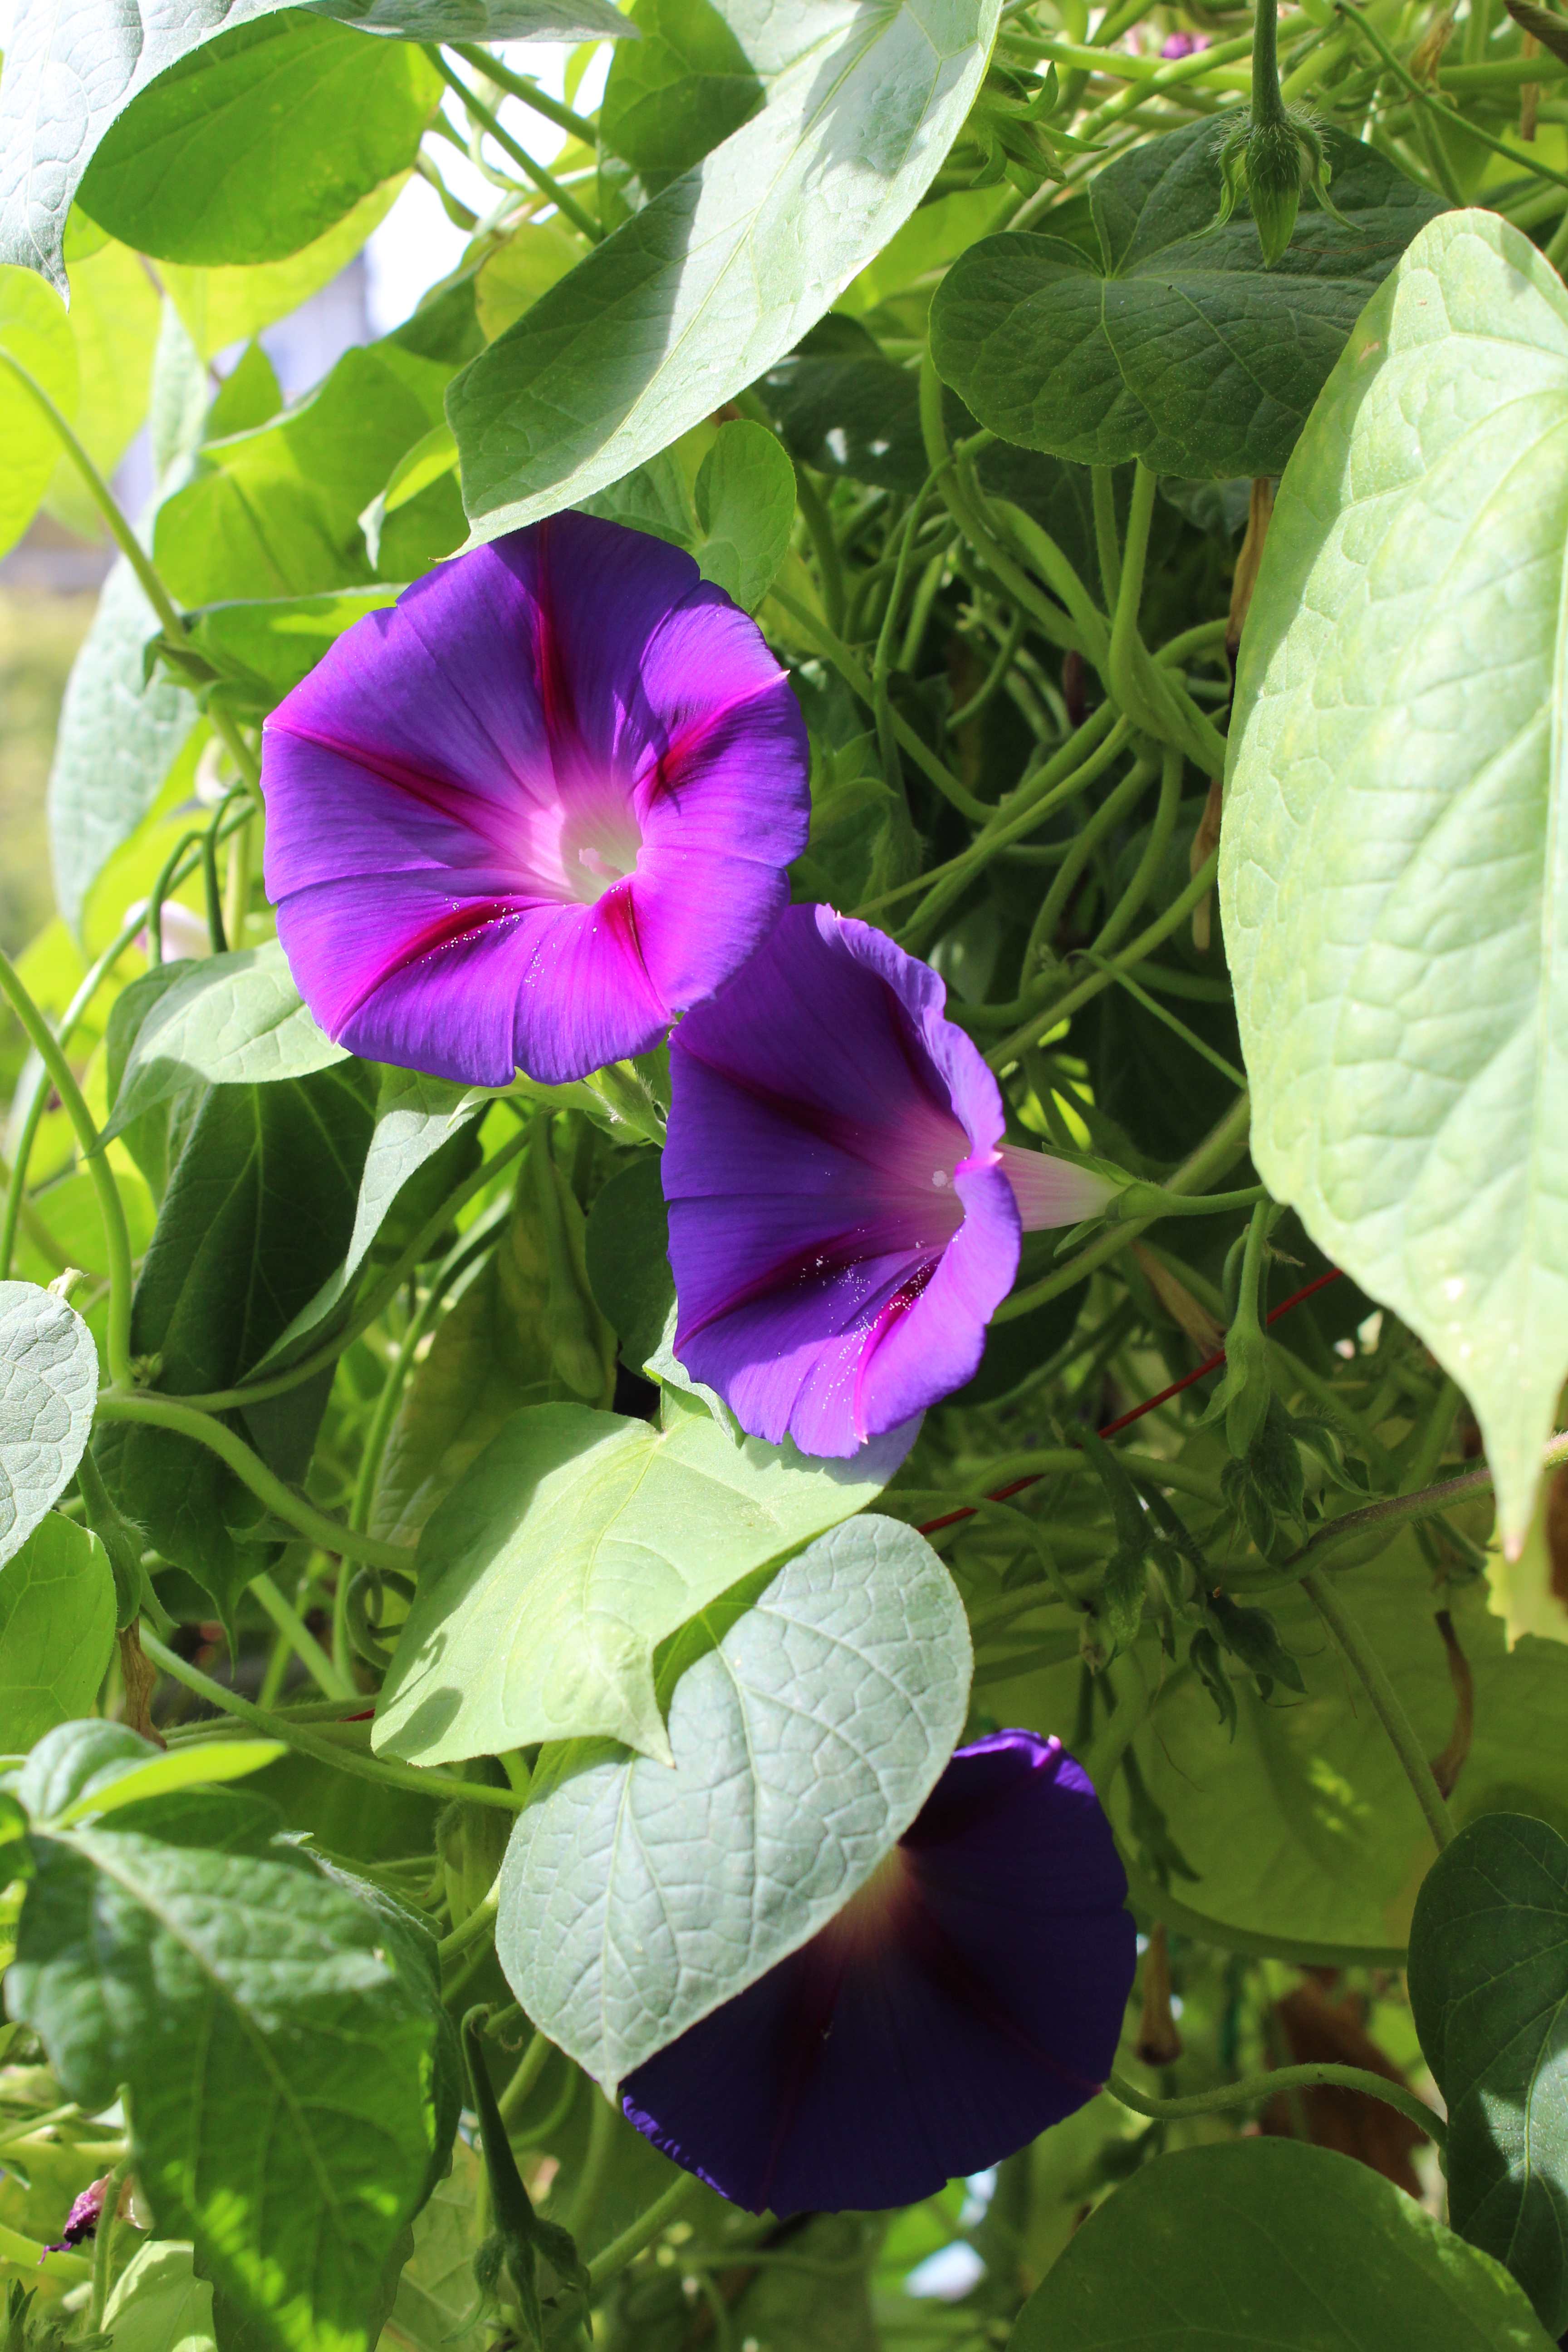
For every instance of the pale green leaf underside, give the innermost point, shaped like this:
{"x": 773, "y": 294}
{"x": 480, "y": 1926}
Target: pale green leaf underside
{"x": 57, "y": 1630}
{"x": 233, "y": 1020}
{"x": 804, "y": 1746}
{"x": 120, "y": 733}
{"x": 693, "y": 296}
{"x": 48, "y": 1386}
{"x": 572, "y": 1546}
{"x": 159, "y": 2304}
{"x": 1393, "y": 873}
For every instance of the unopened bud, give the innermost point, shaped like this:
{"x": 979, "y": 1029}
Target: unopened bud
{"x": 1273, "y": 160}
{"x": 1272, "y": 165}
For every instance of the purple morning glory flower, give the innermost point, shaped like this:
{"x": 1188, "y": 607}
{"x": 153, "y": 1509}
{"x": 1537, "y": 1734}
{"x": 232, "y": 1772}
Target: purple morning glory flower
{"x": 534, "y": 811}
{"x": 969, "y": 1996}
{"x": 844, "y": 1216}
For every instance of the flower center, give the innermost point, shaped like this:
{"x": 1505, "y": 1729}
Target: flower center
{"x": 876, "y": 1911}
{"x": 597, "y": 854}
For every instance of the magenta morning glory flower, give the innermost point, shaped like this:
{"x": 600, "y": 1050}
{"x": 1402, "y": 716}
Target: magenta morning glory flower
{"x": 534, "y": 811}
{"x": 969, "y": 1996}
{"x": 844, "y": 1216}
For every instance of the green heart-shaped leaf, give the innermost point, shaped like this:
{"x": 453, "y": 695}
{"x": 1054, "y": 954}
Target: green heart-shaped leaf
{"x": 1180, "y": 347}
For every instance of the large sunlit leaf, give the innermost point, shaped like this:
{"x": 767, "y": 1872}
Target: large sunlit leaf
{"x": 57, "y": 1630}
{"x": 254, "y": 145}
{"x": 1179, "y": 347}
{"x": 1268, "y": 2241}
{"x": 803, "y": 1745}
{"x": 72, "y": 68}
{"x": 49, "y": 1384}
{"x": 574, "y": 1544}
{"x": 1489, "y": 1984}
{"x": 276, "y": 2035}
{"x": 1395, "y": 867}
{"x": 726, "y": 269}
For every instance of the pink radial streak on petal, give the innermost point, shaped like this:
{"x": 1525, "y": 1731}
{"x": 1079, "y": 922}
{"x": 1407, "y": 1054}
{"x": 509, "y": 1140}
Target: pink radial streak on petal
{"x": 663, "y": 779}
{"x": 448, "y": 930}
{"x": 905, "y": 1296}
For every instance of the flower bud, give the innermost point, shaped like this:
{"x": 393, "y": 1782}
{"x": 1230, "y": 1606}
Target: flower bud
{"x": 1273, "y": 158}
{"x": 1273, "y": 171}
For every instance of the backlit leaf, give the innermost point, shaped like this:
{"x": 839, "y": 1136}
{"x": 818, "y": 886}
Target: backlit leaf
{"x": 35, "y": 333}
{"x": 1394, "y": 872}
{"x": 574, "y": 1544}
{"x": 72, "y": 68}
{"x": 253, "y": 145}
{"x": 722, "y": 272}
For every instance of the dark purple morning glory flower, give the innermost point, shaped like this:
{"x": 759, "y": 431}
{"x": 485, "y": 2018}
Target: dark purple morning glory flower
{"x": 82, "y": 2220}
{"x": 534, "y": 811}
{"x": 844, "y": 1216}
{"x": 969, "y": 1996}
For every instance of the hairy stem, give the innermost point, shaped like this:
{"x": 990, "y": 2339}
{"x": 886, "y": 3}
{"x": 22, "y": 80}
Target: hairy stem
{"x": 153, "y": 1410}
{"x": 110, "y": 1208}
{"x": 293, "y": 1734}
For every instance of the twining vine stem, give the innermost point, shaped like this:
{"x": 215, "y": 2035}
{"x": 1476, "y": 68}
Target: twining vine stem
{"x": 1254, "y": 2090}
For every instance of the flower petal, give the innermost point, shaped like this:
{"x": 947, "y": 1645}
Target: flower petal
{"x": 839, "y": 1230}
{"x": 579, "y": 774}
{"x": 940, "y": 2028}
{"x": 400, "y": 969}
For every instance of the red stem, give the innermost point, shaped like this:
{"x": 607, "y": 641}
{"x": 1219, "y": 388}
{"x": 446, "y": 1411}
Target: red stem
{"x": 1210, "y": 1364}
